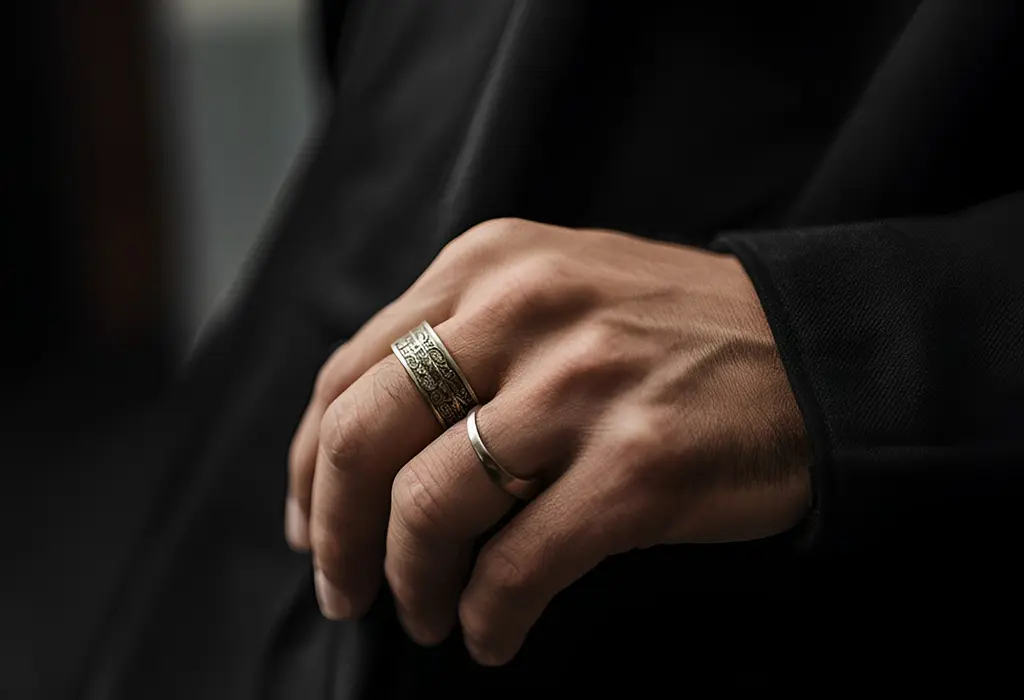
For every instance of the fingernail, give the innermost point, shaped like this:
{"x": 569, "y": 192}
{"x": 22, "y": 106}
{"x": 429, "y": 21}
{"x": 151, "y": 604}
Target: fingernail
{"x": 296, "y": 527}
{"x": 333, "y": 603}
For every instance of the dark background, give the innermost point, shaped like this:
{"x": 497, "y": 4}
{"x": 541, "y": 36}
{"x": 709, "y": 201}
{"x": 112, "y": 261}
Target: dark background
{"x": 147, "y": 144}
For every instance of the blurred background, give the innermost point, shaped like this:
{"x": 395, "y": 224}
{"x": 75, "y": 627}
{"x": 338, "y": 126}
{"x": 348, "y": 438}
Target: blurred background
{"x": 150, "y": 142}
{"x": 156, "y": 138}
{"x": 237, "y": 102}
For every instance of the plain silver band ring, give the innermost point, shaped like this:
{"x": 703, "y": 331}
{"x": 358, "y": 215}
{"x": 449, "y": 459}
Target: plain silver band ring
{"x": 523, "y": 489}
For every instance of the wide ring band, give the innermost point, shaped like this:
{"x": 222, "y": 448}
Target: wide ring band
{"x": 436, "y": 375}
{"x": 523, "y": 489}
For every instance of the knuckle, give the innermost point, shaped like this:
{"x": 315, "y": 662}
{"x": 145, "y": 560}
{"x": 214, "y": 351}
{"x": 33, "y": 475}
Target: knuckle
{"x": 583, "y": 361}
{"x": 533, "y": 279}
{"x": 339, "y": 437}
{"x": 530, "y": 289}
{"x": 636, "y": 433}
{"x": 417, "y": 503}
{"x": 477, "y": 241}
{"x": 489, "y": 232}
{"x": 486, "y": 240}
{"x": 507, "y": 574}
{"x": 350, "y": 418}
{"x": 597, "y": 344}
{"x": 388, "y": 386}
{"x": 595, "y": 359}
{"x": 640, "y": 450}
{"x": 641, "y": 464}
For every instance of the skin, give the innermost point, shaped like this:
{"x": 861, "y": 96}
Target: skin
{"x": 638, "y": 380}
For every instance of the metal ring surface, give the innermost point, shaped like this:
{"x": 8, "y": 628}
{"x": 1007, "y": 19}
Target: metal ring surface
{"x": 523, "y": 489}
{"x": 436, "y": 374}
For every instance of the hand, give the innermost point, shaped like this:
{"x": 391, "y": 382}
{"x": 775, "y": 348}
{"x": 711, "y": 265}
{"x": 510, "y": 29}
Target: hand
{"x": 639, "y": 380}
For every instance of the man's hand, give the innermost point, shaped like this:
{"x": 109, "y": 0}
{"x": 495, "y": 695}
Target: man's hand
{"x": 638, "y": 380}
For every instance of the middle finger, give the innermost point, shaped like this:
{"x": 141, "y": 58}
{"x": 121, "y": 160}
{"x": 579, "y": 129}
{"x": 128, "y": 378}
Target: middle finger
{"x": 367, "y": 435}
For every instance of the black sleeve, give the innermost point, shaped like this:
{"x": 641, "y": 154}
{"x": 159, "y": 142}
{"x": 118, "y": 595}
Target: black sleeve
{"x": 904, "y": 344}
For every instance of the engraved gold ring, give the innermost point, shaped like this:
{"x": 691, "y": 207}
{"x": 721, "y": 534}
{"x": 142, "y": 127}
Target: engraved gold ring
{"x": 451, "y": 398}
{"x": 436, "y": 375}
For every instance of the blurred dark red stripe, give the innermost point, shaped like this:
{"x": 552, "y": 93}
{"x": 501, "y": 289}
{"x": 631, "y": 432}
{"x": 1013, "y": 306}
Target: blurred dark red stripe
{"x": 116, "y": 170}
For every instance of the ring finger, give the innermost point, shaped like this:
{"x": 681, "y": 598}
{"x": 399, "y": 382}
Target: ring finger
{"x": 443, "y": 500}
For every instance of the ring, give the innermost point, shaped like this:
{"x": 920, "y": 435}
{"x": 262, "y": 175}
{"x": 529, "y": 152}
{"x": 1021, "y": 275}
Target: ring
{"x": 436, "y": 375}
{"x": 523, "y": 489}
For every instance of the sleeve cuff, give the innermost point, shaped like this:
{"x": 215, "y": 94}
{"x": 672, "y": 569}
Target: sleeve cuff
{"x": 807, "y": 535}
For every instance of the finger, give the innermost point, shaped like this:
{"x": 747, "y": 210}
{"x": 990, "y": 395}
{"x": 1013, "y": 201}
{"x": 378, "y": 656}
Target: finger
{"x": 367, "y": 435}
{"x": 300, "y": 478}
{"x": 443, "y": 500}
{"x": 564, "y": 533}
{"x": 368, "y": 346}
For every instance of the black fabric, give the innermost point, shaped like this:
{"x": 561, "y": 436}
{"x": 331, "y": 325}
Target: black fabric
{"x": 679, "y": 121}
{"x": 329, "y": 23}
{"x": 912, "y": 385}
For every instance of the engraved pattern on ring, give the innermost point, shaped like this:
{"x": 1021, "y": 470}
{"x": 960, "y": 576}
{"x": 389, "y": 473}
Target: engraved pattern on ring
{"x": 437, "y": 379}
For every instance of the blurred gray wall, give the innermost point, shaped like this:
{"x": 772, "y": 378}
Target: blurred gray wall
{"x": 238, "y": 103}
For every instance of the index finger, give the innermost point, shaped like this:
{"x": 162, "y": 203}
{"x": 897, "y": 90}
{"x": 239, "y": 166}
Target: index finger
{"x": 367, "y": 435}
{"x": 345, "y": 366}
